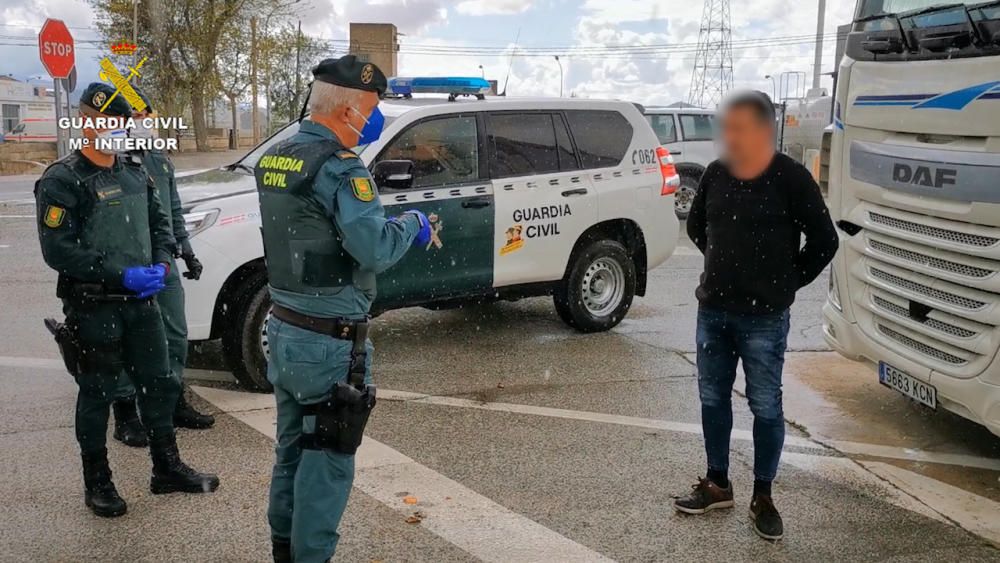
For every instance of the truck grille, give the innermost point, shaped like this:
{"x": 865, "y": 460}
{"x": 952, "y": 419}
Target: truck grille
{"x": 951, "y": 298}
{"x": 919, "y": 259}
{"x": 920, "y": 346}
{"x": 931, "y": 290}
{"x": 932, "y": 232}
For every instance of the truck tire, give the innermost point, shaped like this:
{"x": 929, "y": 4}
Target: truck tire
{"x": 684, "y": 196}
{"x": 597, "y": 291}
{"x": 244, "y": 340}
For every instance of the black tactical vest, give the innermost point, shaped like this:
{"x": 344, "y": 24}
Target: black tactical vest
{"x": 302, "y": 248}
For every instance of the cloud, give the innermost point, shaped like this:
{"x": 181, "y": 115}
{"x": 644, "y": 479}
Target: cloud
{"x": 492, "y": 7}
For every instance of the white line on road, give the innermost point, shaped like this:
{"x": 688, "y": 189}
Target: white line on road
{"x": 17, "y": 216}
{"x": 452, "y": 511}
{"x": 974, "y": 513}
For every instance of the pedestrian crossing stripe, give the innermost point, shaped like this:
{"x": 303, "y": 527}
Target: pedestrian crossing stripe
{"x": 363, "y": 189}
{"x": 54, "y": 216}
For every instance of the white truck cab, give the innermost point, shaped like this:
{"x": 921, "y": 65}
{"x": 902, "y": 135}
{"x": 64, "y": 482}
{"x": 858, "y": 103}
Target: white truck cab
{"x": 527, "y": 197}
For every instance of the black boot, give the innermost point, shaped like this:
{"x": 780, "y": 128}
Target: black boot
{"x": 281, "y": 550}
{"x": 171, "y": 475}
{"x": 100, "y": 494}
{"x": 128, "y": 429}
{"x": 186, "y": 417}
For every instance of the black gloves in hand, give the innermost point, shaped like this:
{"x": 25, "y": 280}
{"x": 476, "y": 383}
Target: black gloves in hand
{"x": 194, "y": 266}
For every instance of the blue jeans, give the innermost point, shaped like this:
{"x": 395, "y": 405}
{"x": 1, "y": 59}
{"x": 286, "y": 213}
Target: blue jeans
{"x": 759, "y": 341}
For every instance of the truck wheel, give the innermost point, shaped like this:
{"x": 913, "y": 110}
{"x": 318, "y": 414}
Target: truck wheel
{"x": 244, "y": 337}
{"x": 684, "y": 197}
{"x": 597, "y": 291}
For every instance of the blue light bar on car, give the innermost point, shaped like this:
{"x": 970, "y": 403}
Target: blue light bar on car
{"x": 455, "y": 85}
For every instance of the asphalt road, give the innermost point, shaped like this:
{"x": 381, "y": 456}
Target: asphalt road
{"x": 517, "y": 439}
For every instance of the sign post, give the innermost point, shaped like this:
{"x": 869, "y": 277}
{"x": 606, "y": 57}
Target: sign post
{"x": 58, "y": 55}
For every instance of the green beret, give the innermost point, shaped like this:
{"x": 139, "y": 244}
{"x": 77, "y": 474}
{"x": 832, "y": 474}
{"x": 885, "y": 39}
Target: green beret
{"x": 349, "y": 72}
{"x": 98, "y": 93}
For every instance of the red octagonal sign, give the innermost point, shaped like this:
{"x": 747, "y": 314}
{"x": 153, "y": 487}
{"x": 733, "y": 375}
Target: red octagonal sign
{"x": 56, "y": 49}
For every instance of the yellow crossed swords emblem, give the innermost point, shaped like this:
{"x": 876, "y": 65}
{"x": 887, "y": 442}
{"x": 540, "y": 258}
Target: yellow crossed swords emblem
{"x": 110, "y": 73}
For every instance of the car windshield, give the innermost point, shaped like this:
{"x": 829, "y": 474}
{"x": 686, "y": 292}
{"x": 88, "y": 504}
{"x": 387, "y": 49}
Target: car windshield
{"x": 248, "y": 162}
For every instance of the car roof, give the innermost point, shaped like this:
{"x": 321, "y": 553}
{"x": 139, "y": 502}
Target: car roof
{"x": 396, "y": 107}
{"x": 668, "y": 109}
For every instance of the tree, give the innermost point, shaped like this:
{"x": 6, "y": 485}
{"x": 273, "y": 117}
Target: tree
{"x": 233, "y": 69}
{"x": 289, "y": 59}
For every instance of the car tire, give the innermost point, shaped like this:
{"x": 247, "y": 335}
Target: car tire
{"x": 599, "y": 286}
{"x": 244, "y": 337}
{"x": 684, "y": 196}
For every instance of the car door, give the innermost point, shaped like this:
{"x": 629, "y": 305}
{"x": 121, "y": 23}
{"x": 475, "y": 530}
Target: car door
{"x": 665, "y": 127}
{"x": 698, "y": 131}
{"x": 450, "y": 186}
{"x": 544, "y": 200}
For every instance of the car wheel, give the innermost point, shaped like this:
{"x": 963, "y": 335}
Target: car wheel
{"x": 684, "y": 197}
{"x": 598, "y": 289}
{"x": 244, "y": 338}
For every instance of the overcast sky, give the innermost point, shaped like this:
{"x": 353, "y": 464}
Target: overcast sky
{"x": 495, "y": 23}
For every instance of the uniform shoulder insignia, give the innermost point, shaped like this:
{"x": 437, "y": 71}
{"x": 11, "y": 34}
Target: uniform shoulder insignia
{"x": 363, "y": 189}
{"x": 54, "y": 216}
{"x": 345, "y": 154}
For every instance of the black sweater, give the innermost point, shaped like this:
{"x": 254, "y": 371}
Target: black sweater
{"x": 750, "y": 233}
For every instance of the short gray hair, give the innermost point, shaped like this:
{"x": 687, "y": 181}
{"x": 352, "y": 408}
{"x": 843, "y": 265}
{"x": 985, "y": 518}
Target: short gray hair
{"x": 326, "y": 97}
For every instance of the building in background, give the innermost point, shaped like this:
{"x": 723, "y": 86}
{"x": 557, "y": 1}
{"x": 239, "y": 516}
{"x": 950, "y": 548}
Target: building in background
{"x": 23, "y": 100}
{"x": 376, "y": 43}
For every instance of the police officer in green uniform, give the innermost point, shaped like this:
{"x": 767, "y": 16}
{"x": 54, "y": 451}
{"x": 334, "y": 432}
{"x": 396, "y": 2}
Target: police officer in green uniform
{"x": 103, "y": 229}
{"x": 325, "y": 238}
{"x": 128, "y": 429}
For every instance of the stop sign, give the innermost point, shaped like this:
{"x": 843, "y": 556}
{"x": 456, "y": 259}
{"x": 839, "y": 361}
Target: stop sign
{"x": 55, "y": 48}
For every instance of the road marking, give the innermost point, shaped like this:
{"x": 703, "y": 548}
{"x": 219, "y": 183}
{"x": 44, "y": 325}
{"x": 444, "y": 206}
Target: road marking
{"x": 17, "y": 216}
{"x": 32, "y": 363}
{"x": 452, "y": 511}
{"x": 686, "y": 251}
{"x": 908, "y": 454}
{"x": 978, "y": 515}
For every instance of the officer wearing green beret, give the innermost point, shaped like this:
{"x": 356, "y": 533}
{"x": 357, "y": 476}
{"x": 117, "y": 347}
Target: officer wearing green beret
{"x": 325, "y": 238}
{"x": 103, "y": 229}
{"x": 128, "y": 429}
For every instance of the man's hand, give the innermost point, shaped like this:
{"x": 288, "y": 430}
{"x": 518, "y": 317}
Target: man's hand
{"x": 194, "y": 267}
{"x": 424, "y": 234}
{"x": 145, "y": 281}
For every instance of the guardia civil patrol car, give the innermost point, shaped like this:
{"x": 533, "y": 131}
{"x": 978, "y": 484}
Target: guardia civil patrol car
{"x": 527, "y": 197}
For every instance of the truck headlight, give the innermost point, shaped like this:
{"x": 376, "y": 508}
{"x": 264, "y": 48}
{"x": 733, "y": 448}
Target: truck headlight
{"x": 197, "y": 221}
{"x": 834, "y": 294}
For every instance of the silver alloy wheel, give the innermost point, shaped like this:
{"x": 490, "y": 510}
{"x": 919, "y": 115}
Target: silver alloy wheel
{"x": 264, "y": 346}
{"x": 684, "y": 198}
{"x": 603, "y": 286}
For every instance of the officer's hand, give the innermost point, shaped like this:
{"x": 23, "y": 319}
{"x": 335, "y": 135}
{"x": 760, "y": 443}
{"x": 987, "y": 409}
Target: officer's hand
{"x": 152, "y": 290}
{"x": 141, "y": 278}
{"x": 194, "y": 266}
{"x": 424, "y": 234}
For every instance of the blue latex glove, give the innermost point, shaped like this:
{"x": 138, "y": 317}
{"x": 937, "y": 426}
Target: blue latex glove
{"x": 143, "y": 279}
{"x": 424, "y": 234}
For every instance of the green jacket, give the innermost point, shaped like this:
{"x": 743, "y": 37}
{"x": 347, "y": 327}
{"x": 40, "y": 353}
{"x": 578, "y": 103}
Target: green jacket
{"x": 158, "y": 164}
{"x": 94, "y": 222}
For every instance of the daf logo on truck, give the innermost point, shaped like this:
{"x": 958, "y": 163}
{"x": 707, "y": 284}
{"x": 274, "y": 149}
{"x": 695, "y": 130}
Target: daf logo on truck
{"x": 924, "y": 175}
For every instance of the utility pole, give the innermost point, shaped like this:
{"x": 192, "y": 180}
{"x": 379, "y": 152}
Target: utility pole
{"x": 254, "y": 118}
{"x": 818, "y": 59}
{"x": 713, "y": 63}
{"x": 298, "y": 62}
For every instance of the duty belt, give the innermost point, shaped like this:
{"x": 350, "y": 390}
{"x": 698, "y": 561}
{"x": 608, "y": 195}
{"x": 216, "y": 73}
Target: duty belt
{"x": 99, "y": 292}
{"x": 343, "y": 329}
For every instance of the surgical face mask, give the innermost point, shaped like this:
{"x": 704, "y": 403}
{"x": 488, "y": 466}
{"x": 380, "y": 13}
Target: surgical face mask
{"x": 140, "y": 131}
{"x": 373, "y": 126}
{"x": 114, "y": 139}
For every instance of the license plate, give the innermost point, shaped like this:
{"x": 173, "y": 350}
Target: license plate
{"x": 908, "y": 385}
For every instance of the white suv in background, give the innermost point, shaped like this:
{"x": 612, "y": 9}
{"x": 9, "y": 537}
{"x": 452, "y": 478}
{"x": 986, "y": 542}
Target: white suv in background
{"x": 527, "y": 197}
{"x": 689, "y": 135}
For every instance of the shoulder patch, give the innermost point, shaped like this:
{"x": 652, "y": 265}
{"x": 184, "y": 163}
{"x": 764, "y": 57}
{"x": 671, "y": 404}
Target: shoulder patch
{"x": 345, "y": 154}
{"x": 363, "y": 189}
{"x": 54, "y": 216}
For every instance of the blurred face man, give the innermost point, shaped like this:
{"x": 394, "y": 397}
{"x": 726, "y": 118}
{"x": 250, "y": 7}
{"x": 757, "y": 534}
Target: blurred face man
{"x": 345, "y": 111}
{"x": 747, "y": 120}
{"x": 103, "y": 157}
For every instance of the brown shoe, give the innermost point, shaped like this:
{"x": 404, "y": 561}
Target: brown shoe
{"x": 765, "y": 518}
{"x": 705, "y": 496}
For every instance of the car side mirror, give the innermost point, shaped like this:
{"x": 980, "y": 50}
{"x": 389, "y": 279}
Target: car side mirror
{"x": 393, "y": 174}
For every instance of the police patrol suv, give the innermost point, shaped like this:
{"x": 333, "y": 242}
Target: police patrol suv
{"x": 527, "y": 197}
